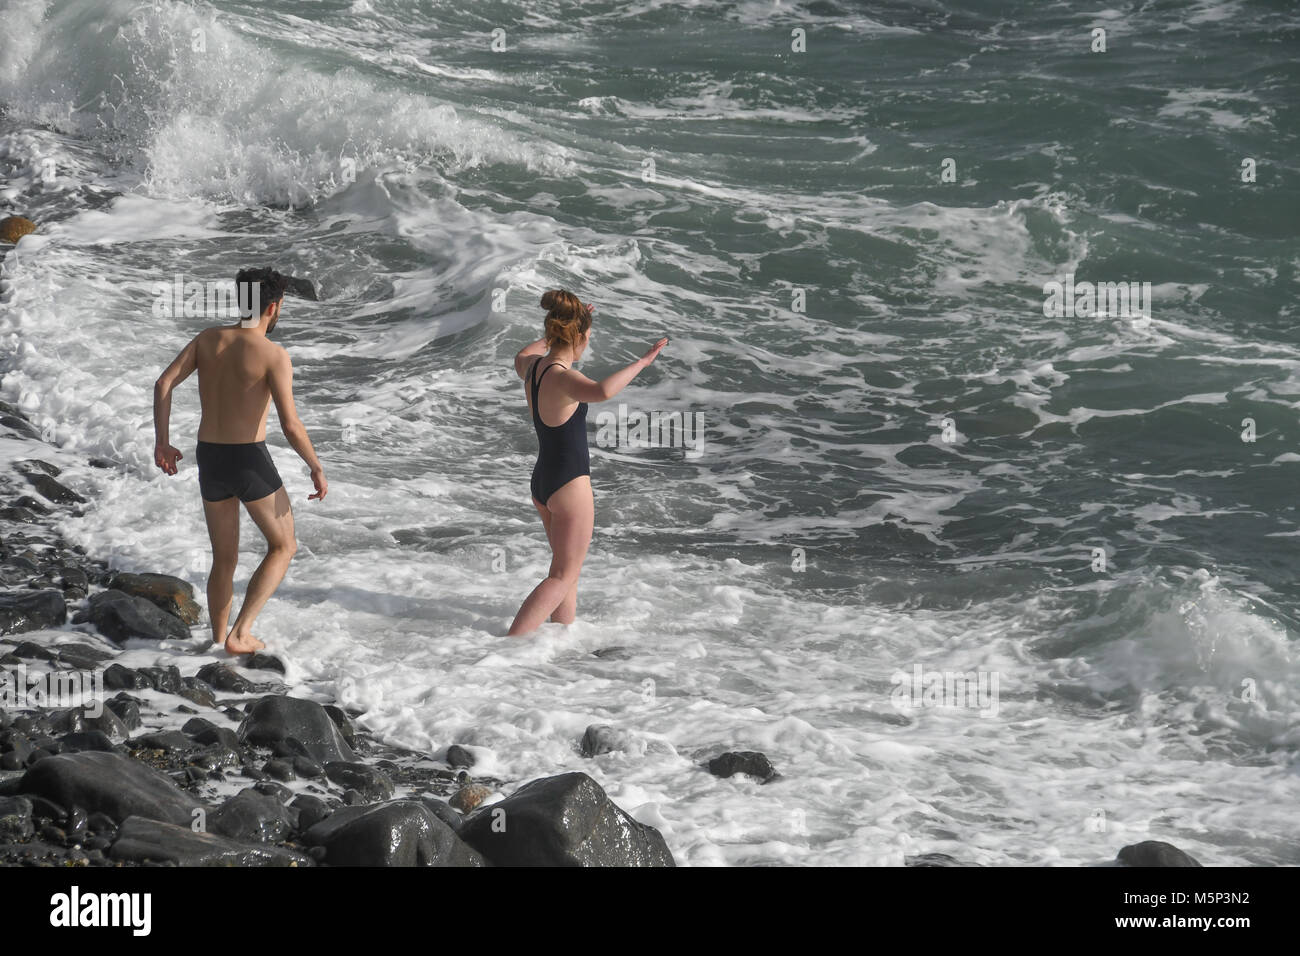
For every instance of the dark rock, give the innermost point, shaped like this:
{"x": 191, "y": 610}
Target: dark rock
{"x": 48, "y": 488}
{"x": 120, "y": 616}
{"x": 370, "y": 783}
{"x": 15, "y": 819}
{"x": 1154, "y": 853}
{"x": 73, "y": 582}
{"x": 127, "y": 711}
{"x": 83, "y": 657}
{"x": 251, "y": 817}
{"x": 77, "y": 825}
{"x": 95, "y": 740}
{"x": 602, "y": 739}
{"x": 297, "y": 286}
{"x": 165, "y": 680}
{"x": 934, "y": 859}
{"x": 749, "y": 762}
{"x": 306, "y": 767}
{"x": 52, "y": 834}
{"x": 221, "y": 677}
{"x": 110, "y": 783}
{"x": 344, "y": 723}
{"x": 443, "y": 811}
{"x": 173, "y": 595}
{"x": 22, "y": 611}
{"x": 280, "y": 769}
{"x": 197, "y": 692}
{"x": 44, "y": 808}
{"x": 117, "y": 677}
{"x": 33, "y": 725}
{"x": 272, "y": 789}
{"x": 275, "y": 719}
{"x": 34, "y": 466}
{"x": 171, "y": 741}
{"x": 101, "y": 823}
{"x": 206, "y": 732}
{"x": 458, "y": 756}
{"x": 216, "y": 757}
{"x": 613, "y": 653}
{"x": 563, "y": 821}
{"x": 33, "y": 652}
{"x": 400, "y": 833}
{"x": 142, "y": 839}
{"x": 264, "y": 662}
{"x": 40, "y": 753}
{"x": 311, "y": 810}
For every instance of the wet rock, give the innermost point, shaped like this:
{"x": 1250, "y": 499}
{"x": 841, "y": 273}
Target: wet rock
{"x": 311, "y": 810}
{"x": 272, "y": 789}
{"x": 83, "y": 657}
{"x": 1154, "y": 853}
{"x": 372, "y": 784}
{"x": 443, "y": 811}
{"x": 31, "y": 651}
{"x": 169, "y": 741}
{"x": 216, "y": 757}
{"x": 142, "y": 839}
{"x": 308, "y": 768}
{"x": 22, "y": 611}
{"x": 281, "y": 769}
{"x": 344, "y": 723}
{"x": 127, "y": 711}
{"x": 120, "y": 616}
{"x": 469, "y": 796}
{"x": 400, "y": 833}
{"x": 458, "y": 756}
{"x": 94, "y": 740}
{"x": 203, "y": 731}
{"x": 934, "y": 859}
{"x": 117, "y": 677}
{"x": 13, "y": 228}
{"x": 300, "y": 287}
{"x": 602, "y": 739}
{"x": 264, "y": 662}
{"x": 749, "y": 762}
{"x": 274, "y": 719}
{"x": 15, "y": 819}
{"x": 73, "y": 582}
{"x": 563, "y": 821}
{"x": 112, "y": 784}
{"x": 165, "y": 680}
{"x": 251, "y": 817}
{"x": 170, "y": 594}
{"x": 198, "y": 692}
{"x": 222, "y": 677}
{"x": 53, "y": 490}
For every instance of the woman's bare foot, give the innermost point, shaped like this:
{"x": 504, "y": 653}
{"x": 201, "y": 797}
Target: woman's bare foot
{"x": 243, "y": 643}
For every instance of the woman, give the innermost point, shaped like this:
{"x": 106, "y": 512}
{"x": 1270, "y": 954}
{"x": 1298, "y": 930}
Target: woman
{"x": 561, "y": 484}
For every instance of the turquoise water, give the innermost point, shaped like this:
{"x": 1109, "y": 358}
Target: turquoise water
{"x": 906, "y": 461}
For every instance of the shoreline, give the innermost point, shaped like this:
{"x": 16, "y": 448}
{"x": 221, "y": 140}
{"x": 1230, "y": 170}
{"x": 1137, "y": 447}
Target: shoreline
{"x": 218, "y": 763}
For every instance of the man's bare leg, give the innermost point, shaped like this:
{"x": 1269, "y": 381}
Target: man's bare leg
{"x": 274, "y": 518}
{"x": 223, "y": 531}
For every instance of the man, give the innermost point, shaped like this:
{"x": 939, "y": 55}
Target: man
{"x": 240, "y": 373}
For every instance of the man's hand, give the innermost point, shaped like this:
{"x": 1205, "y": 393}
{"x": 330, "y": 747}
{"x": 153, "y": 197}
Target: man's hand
{"x": 322, "y": 486}
{"x": 165, "y": 457}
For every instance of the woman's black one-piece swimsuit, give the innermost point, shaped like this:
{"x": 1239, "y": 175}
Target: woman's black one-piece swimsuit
{"x": 562, "y": 453}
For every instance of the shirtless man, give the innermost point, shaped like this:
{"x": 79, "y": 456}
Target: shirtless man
{"x": 240, "y": 372}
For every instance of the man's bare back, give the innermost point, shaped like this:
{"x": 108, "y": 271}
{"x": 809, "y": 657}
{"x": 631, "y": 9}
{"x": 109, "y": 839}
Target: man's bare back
{"x": 235, "y": 383}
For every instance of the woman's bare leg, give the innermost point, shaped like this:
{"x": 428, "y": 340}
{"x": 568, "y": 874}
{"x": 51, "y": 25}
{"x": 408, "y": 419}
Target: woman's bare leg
{"x": 568, "y": 609}
{"x": 573, "y": 517}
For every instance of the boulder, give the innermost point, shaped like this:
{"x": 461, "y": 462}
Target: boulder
{"x": 112, "y": 784}
{"x": 276, "y": 719}
{"x": 15, "y": 819}
{"x": 252, "y": 817}
{"x": 1154, "y": 853}
{"x": 53, "y": 490}
{"x": 749, "y": 762}
{"x": 563, "y": 821}
{"x": 13, "y": 228}
{"x": 399, "y": 833}
{"x": 22, "y": 611}
{"x": 602, "y": 739}
{"x": 142, "y": 839}
{"x": 173, "y": 595}
{"x": 223, "y": 677}
{"x": 372, "y": 784}
{"x": 120, "y": 616}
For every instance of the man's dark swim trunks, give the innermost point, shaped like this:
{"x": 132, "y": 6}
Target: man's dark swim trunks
{"x": 245, "y": 470}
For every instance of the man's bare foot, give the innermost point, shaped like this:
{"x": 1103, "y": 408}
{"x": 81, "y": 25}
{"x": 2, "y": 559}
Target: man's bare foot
{"x": 243, "y": 644}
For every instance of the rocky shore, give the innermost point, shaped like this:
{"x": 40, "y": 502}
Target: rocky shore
{"x": 224, "y": 766}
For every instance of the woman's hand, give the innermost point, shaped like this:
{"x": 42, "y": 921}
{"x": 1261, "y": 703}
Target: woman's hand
{"x": 654, "y": 352}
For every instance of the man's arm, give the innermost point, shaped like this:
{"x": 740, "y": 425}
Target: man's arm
{"x": 281, "y": 381}
{"x": 164, "y": 455}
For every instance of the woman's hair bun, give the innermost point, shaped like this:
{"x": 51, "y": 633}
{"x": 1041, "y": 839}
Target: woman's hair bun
{"x": 567, "y": 319}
